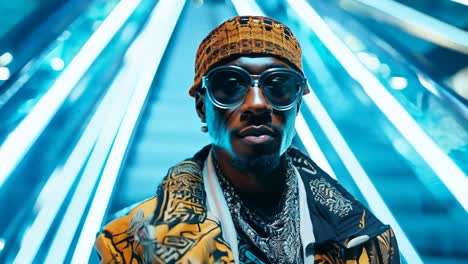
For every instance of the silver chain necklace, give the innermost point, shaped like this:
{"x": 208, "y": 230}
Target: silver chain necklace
{"x": 281, "y": 243}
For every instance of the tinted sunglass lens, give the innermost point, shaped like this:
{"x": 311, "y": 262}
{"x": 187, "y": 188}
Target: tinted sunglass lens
{"x": 228, "y": 86}
{"x": 281, "y": 88}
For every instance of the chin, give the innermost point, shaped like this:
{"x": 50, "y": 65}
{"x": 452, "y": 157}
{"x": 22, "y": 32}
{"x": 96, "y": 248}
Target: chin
{"x": 246, "y": 150}
{"x": 260, "y": 164}
{"x": 257, "y": 158}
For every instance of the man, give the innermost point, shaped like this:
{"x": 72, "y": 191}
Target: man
{"x": 249, "y": 197}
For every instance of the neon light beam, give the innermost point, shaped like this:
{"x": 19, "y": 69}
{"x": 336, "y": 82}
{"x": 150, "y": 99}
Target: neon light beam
{"x": 448, "y": 172}
{"x": 23, "y": 137}
{"x": 166, "y": 14}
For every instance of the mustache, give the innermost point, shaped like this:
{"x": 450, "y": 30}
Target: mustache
{"x": 256, "y": 118}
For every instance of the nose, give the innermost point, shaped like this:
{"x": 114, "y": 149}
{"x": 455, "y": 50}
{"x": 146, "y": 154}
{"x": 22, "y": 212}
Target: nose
{"x": 255, "y": 101}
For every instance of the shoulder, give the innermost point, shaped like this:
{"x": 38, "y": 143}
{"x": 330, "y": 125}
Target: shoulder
{"x": 342, "y": 224}
{"x": 334, "y": 210}
{"x": 116, "y": 241}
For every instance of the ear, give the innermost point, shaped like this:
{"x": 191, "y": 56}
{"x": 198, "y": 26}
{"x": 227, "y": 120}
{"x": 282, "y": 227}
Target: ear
{"x": 200, "y": 106}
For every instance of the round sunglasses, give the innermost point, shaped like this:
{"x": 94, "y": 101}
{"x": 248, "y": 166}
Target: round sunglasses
{"x": 227, "y": 86}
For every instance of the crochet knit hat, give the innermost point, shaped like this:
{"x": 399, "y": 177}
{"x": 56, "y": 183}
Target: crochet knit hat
{"x": 246, "y": 35}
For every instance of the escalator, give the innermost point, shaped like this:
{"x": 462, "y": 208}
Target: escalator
{"x": 48, "y": 130}
{"x": 370, "y": 121}
{"x": 415, "y": 191}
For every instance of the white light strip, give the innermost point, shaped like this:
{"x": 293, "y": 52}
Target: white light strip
{"x": 360, "y": 177}
{"x": 312, "y": 146}
{"x": 463, "y": 2}
{"x": 247, "y": 7}
{"x": 157, "y": 37}
{"x": 23, "y": 137}
{"x": 57, "y": 187}
{"x": 72, "y": 217}
{"x": 419, "y": 24}
{"x": 449, "y": 173}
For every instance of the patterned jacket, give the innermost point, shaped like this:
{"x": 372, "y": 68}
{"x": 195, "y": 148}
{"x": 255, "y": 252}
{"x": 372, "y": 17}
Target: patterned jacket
{"x": 176, "y": 227}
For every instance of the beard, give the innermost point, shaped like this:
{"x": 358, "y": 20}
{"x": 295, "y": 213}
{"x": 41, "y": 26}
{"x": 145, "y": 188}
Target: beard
{"x": 261, "y": 165}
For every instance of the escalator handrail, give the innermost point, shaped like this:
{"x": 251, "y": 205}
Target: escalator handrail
{"x": 137, "y": 56}
{"x": 87, "y": 156}
{"x": 21, "y": 139}
{"x": 411, "y": 21}
{"x": 446, "y": 169}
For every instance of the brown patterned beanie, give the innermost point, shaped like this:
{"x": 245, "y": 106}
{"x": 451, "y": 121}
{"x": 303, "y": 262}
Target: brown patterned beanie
{"x": 246, "y": 35}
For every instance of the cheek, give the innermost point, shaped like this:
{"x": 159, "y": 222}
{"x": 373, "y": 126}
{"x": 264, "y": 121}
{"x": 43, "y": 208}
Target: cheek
{"x": 216, "y": 122}
{"x": 289, "y": 130}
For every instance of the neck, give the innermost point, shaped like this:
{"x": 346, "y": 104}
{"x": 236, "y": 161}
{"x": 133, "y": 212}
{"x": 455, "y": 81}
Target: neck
{"x": 262, "y": 189}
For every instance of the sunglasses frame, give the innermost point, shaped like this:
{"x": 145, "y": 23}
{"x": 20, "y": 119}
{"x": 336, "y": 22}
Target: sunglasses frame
{"x": 253, "y": 82}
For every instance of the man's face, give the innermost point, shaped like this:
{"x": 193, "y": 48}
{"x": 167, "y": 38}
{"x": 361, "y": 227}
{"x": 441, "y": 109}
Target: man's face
{"x": 253, "y": 134}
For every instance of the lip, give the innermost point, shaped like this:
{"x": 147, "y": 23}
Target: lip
{"x": 257, "y": 134}
{"x": 256, "y": 131}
